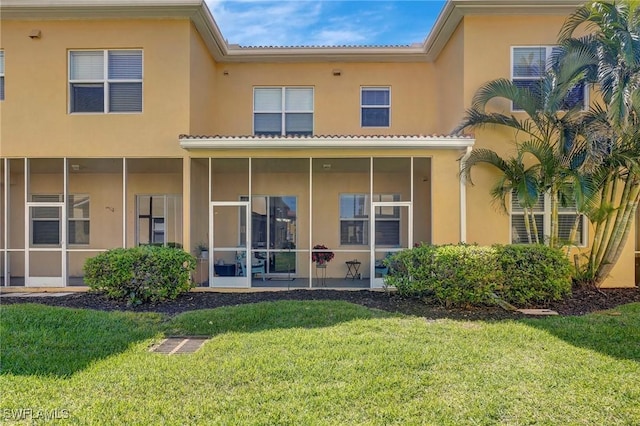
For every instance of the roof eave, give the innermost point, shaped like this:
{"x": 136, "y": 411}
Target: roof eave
{"x": 198, "y": 12}
{"x": 455, "y": 10}
{"x": 350, "y": 142}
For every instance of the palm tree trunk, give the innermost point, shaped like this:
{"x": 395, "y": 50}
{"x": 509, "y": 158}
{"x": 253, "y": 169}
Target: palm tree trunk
{"x": 621, "y": 230}
{"x": 608, "y": 223}
{"x": 527, "y": 224}
{"x": 553, "y": 241}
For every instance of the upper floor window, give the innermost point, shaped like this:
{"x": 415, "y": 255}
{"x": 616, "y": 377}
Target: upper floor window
{"x": 375, "y": 104}
{"x": 105, "y": 81}
{"x": 283, "y": 111}
{"x": 1, "y": 75}
{"x": 528, "y": 67}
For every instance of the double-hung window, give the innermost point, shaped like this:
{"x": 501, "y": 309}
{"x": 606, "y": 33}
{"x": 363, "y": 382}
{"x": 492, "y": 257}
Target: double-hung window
{"x": 279, "y": 111}
{"x": 528, "y": 68}
{"x": 355, "y": 217}
{"x": 1, "y": 75}
{"x": 375, "y": 106}
{"x": 105, "y": 81}
{"x": 46, "y": 221}
{"x": 541, "y": 215}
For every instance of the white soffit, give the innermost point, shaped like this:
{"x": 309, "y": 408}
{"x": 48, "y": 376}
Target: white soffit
{"x": 326, "y": 142}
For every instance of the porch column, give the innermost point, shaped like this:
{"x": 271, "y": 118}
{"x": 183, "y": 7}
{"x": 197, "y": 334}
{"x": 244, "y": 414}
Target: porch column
{"x": 186, "y": 203}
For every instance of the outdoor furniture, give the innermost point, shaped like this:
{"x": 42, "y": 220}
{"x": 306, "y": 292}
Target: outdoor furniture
{"x": 380, "y": 268}
{"x": 225, "y": 270}
{"x": 353, "y": 269}
{"x": 258, "y": 266}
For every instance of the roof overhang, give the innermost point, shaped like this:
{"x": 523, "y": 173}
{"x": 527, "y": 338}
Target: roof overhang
{"x": 454, "y": 10}
{"x": 198, "y": 12}
{"x": 325, "y": 142}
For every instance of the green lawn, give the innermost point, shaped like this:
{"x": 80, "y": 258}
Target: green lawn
{"x": 320, "y": 363}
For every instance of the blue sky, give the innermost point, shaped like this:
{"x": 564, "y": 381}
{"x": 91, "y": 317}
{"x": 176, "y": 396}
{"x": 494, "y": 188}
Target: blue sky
{"x": 326, "y": 22}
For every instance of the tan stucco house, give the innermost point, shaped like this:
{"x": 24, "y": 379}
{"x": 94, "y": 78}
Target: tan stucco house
{"x": 127, "y": 122}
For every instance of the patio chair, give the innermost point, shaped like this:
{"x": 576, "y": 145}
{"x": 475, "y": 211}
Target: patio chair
{"x": 380, "y": 268}
{"x": 258, "y": 266}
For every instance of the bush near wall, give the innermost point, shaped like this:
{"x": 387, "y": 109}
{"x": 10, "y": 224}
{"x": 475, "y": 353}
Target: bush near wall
{"x": 140, "y": 274}
{"x": 458, "y": 275}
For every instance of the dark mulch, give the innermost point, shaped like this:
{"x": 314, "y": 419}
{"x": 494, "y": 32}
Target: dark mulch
{"x": 581, "y": 302}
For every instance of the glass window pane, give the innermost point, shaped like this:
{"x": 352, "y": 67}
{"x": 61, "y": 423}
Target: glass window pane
{"x": 375, "y": 117}
{"x": 529, "y": 61}
{"x": 87, "y": 97}
{"x": 519, "y": 229}
{"x": 125, "y": 64}
{"x": 87, "y": 65}
{"x": 1, "y": 88}
{"x": 375, "y": 97}
{"x": 354, "y": 232}
{"x": 125, "y": 97}
{"x": 565, "y": 224}
{"x": 299, "y": 99}
{"x": 387, "y": 232}
{"x": 267, "y": 124}
{"x": 299, "y": 124}
{"x": 78, "y": 232}
{"x": 78, "y": 207}
{"x": 46, "y": 232}
{"x": 267, "y": 100}
{"x": 1, "y": 62}
{"x": 354, "y": 206}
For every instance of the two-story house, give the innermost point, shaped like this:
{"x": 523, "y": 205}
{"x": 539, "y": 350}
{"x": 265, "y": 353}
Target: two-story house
{"x": 135, "y": 122}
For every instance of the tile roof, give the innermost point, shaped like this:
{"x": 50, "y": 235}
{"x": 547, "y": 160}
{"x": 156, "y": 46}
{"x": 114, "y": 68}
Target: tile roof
{"x": 323, "y": 137}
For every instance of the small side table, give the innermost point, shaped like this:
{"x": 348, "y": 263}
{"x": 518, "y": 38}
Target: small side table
{"x": 353, "y": 269}
{"x": 321, "y": 274}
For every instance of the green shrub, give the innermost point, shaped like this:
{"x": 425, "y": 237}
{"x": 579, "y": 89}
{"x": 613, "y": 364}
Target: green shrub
{"x": 140, "y": 274}
{"x": 533, "y": 273}
{"x": 454, "y": 275}
{"x": 458, "y": 275}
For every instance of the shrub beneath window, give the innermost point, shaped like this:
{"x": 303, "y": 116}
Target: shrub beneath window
{"x": 533, "y": 273}
{"x": 140, "y": 274}
{"x": 459, "y": 275}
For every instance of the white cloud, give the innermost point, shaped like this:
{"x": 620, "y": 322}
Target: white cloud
{"x": 321, "y": 22}
{"x": 265, "y": 23}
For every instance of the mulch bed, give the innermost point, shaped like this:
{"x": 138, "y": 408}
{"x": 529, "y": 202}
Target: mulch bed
{"x": 581, "y": 302}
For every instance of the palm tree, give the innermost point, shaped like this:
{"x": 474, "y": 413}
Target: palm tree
{"x": 614, "y": 129}
{"x": 515, "y": 179}
{"x": 550, "y": 138}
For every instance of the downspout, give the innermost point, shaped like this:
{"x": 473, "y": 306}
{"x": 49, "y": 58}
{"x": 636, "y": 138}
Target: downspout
{"x": 463, "y": 196}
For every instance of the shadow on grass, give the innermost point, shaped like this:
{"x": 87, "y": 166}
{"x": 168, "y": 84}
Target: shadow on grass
{"x": 269, "y": 315}
{"x": 615, "y": 332}
{"x": 51, "y": 341}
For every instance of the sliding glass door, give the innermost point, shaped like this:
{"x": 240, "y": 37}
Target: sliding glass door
{"x": 274, "y": 232}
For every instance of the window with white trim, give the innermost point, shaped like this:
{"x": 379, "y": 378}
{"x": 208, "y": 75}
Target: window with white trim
{"x": 541, "y": 214}
{"x": 375, "y": 106}
{"x": 1, "y": 75}
{"x": 279, "y": 111}
{"x": 105, "y": 81}
{"x": 355, "y": 217}
{"x": 528, "y": 67}
{"x": 46, "y": 225}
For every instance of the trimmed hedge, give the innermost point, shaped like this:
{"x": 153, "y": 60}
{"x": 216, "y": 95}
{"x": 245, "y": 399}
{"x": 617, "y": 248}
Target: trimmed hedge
{"x": 458, "y": 275}
{"x": 140, "y": 274}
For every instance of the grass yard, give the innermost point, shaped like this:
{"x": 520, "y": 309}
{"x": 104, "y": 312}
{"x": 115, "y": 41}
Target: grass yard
{"x": 319, "y": 363}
